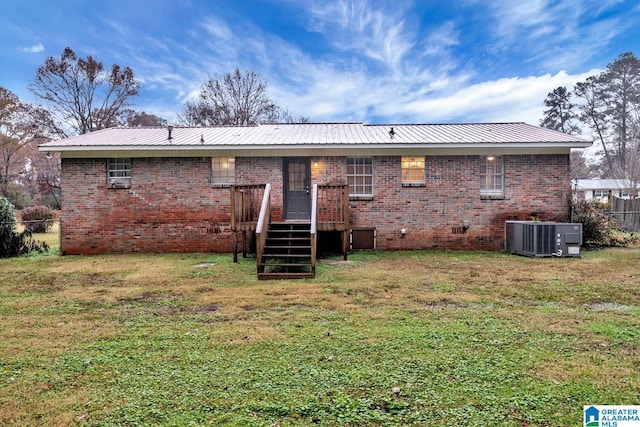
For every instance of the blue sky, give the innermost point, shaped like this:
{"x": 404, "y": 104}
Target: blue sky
{"x": 396, "y": 61}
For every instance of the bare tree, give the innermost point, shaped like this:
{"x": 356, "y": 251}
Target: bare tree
{"x": 40, "y": 174}
{"x": 236, "y": 98}
{"x": 593, "y": 112}
{"x": 286, "y": 117}
{"x": 16, "y": 131}
{"x": 621, "y": 94}
{"x": 578, "y": 165}
{"x": 132, "y": 118}
{"x": 609, "y": 102}
{"x": 80, "y": 94}
{"x": 630, "y": 171}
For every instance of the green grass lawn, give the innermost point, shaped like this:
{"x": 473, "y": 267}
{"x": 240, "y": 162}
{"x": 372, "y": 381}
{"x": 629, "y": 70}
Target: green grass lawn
{"x": 468, "y": 339}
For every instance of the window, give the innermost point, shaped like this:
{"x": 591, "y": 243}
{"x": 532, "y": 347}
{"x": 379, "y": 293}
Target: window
{"x": 360, "y": 176}
{"x": 297, "y": 180}
{"x": 491, "y": 175}
{"x": 223, "y": 170}
{"x": 413, "y": 171}
{"x": 599, "y": 194}
{"x": 119, "y": 173}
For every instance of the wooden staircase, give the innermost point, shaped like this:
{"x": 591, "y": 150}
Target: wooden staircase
{"x": 287, "y": 252}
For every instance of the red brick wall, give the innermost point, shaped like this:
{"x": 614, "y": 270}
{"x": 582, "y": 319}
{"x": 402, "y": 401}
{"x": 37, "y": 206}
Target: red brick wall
{"x": 172, "y": 207}
{"x": 535, "y": 186}
{"x": 263, "y": 170}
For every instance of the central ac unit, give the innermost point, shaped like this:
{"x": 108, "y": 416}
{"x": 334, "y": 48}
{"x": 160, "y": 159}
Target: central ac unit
{"x": 543, "y": 239}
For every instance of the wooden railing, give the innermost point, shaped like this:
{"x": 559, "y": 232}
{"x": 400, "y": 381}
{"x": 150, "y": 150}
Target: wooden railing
{"x": 333, "y": 207}
{"x": 262, "y": 226}
{"x": 245, "y": 206}
{"x": 251, "y": 211}
{"x": 245, "y": 203}
{"x": 333, "y": 211}
{"x": 314, "y": 226}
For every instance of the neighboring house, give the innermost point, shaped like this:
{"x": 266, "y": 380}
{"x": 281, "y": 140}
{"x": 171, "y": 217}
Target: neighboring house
{"x": 409, "y": 186}
{"x": 600, "y": 189}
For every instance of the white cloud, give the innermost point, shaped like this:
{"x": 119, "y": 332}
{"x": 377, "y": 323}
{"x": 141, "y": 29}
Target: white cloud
{"x": 412, "y": 78}
{"x": 441, "y": 39}
{"x": 365, "y": 28}
{"x": 506, "y": 99}
{"x": 36, "y": 48}
{"x": 217, "y": 28}
{"x": 326, "y": 89}
{"x": 334, "y": 95}
{"x": 554, "y": 34}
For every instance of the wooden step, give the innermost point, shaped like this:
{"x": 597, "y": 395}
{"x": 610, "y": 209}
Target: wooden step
{"x": 280, "y": 238}
{"x": 287, "y": 263}
{"x": 287, "y": 252}
{"x": 284, "y": 276}
{"x": 284, "y": 252}
{"x": 287, "y": 247}
{"x": 285, "y": 257}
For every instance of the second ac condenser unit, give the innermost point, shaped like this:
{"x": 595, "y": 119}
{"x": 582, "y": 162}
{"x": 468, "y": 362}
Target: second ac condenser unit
{"x": 543, "y": 239}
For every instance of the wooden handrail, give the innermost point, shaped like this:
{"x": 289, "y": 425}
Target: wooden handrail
{"x": 333, "y": 211}
{"x": 244, "y": 202}
{"x": 251, "y": 212}
{"x": 232, "y": 204}
{"x": 347, "y": 221}
{"x": 262, "y": 227}
{"x": 333, "y": 207}
{"x": 314, "y": 226}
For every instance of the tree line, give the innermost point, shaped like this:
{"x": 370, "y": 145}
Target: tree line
{"x": 79, "y": 95}
{"x": 608, "y": 106}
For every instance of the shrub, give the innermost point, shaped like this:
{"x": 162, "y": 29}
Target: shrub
{"x": 598, "y": 227}
{"x": 8, "y": 235}
{"x": 17, "y": 196}
{"x": 7, "y": 217}
{"x": 13, "y": 243}
{"x": 38, "y": 219}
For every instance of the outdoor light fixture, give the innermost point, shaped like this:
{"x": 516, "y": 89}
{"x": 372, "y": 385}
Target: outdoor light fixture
{"x": 491, "y": 158}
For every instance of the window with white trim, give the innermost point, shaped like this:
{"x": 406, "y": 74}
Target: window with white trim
{"x": 223, "y": 170}
{"x": 491, "y": 175}
{"x": 360, "y": 176}
{"x": 119, "y": 173}
{"x": 413, "y": 172}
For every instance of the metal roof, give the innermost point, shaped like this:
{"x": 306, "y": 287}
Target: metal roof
{"x": 324, "y": 135}
{"x": 601, "y": 184}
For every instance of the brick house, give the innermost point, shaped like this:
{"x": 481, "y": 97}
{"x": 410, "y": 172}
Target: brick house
{"x": 409, "y": 186}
